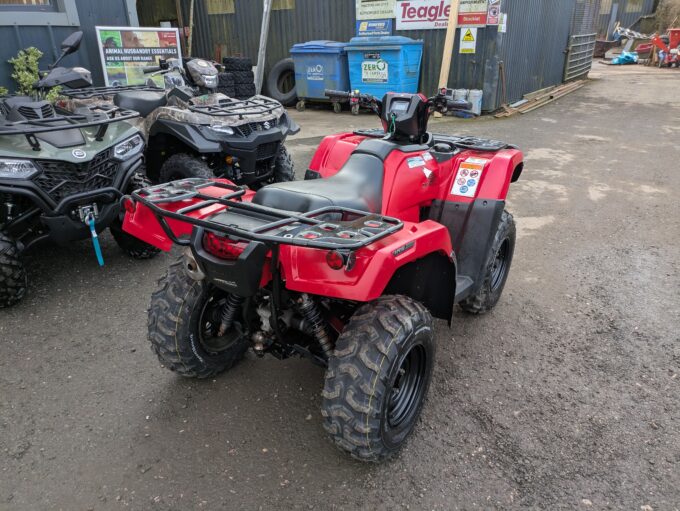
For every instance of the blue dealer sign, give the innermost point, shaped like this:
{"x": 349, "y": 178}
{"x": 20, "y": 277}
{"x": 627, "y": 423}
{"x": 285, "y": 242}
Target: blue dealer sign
{"x": 374, "y": 28}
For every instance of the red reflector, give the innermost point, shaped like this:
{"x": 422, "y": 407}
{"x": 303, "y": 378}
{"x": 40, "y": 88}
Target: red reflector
{"x": 373, "y": 224}
{"x": 222, "y": 247}
{"x": 310, "y": 235}
{"x": 129, "y": 206}
{"x": 335, "y": 260}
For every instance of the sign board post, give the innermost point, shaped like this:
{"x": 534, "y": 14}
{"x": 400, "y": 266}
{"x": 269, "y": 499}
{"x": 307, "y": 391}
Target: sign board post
{"x": 447, "y": 57}
{"x": 126, "y": 51}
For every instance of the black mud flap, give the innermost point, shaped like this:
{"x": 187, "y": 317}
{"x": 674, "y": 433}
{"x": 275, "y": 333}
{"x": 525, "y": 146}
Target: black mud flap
{"x": 240, "y": 277}
{"x": 472, "y": 227}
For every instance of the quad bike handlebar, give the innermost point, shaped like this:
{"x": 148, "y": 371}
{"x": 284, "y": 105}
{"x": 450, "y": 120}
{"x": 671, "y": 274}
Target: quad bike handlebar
{"x": 438, "y": 103}
{"x": 151, "y": 69}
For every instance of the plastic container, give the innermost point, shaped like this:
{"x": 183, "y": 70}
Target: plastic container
{"x": 319, "y": 65}
{"x": 378, "y": 65}
{"x": 460, "y": 94}
{"x": 475, "y": 97}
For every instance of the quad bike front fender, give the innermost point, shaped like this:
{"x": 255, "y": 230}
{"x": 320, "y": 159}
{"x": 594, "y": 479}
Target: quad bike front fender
{"x": 306, "y": 270}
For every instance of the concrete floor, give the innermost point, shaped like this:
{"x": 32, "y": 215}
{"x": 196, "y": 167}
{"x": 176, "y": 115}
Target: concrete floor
{"x": 565, "y": 397}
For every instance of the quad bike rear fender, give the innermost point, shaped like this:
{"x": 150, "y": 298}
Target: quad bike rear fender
{"x": 374, "y": 267}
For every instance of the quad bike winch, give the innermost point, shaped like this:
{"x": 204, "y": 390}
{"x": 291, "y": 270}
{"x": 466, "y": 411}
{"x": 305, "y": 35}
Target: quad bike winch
{"x": 389, "y": 229}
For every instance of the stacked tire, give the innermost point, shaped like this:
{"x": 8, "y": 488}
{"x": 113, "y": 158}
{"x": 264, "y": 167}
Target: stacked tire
{"x": 240, "y": 75}
{"x": 225, "y": 84}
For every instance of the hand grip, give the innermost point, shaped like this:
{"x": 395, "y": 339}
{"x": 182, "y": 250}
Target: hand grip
{"x": 336, "y": 93}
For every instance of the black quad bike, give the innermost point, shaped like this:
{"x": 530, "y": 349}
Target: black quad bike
{"x": 193, "y": 131}
{"x": 346, "y": 268}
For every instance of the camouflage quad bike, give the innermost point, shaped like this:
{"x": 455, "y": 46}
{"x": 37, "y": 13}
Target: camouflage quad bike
{"x": 193, "y": 134}
{"x": 62, "y": 175}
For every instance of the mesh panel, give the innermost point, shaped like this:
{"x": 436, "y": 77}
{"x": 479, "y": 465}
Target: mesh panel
{"x": 61, "y": 179}
{"x": 585, "y": 16}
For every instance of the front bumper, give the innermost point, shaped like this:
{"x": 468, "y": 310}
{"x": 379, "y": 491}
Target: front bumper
{"x": 60, "y": 220}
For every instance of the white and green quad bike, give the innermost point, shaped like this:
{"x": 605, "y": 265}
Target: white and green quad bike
{"x": 62, "y": 175}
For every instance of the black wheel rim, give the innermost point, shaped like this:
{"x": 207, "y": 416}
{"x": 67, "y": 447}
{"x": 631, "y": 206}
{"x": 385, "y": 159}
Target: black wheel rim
{"x": 500, "y": 265}
{"x": 286, "y": 82}
{"x": 209, "y": 325}
{"x": 408, "y": 388}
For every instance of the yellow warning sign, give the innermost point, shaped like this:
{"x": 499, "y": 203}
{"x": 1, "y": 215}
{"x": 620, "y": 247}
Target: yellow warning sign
{"x": 468, "y": 40}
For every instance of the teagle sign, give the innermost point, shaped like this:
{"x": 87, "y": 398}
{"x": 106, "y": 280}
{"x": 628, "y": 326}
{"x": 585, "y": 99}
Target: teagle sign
{"x": 433, "y": 14}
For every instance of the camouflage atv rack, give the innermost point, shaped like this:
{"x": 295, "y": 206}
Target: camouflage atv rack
{"x": 237, "y": 108}
{"x": 106, "y": 92}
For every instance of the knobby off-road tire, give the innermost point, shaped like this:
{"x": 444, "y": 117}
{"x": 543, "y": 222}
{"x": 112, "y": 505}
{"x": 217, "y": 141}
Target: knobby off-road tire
{"x": 181, "y": 312}
{"x": 13, "y": 280}
{"x": 182, "y": 166}
{"x": 237, "y": 64}
{"x": 284, "y": 169}
{"x": 496, "y": 268}
{"x": 378, "y": 377}
{"x": 134, "y": 247}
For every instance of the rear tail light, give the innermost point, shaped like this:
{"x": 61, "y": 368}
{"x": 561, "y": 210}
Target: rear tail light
{"x": 222, "y": 247}
{"x": 337, "y": 260}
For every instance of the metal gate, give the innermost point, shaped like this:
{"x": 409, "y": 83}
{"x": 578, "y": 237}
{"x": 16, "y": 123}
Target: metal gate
{"x": 579, "y": 59}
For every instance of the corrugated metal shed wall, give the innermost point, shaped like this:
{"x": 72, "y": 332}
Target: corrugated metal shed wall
{"x": 532, "y": 50}
{"x": 48, "y": 38}
{"x": 628, "y": 12}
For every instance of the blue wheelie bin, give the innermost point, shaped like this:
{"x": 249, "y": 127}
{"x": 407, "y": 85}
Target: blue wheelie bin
{"x": 378, "y": 65}
{"x": 319, "y": 65}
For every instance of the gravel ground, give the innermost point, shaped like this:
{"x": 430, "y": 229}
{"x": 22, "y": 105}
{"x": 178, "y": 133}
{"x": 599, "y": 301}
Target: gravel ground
{"x": 563, "y": 398}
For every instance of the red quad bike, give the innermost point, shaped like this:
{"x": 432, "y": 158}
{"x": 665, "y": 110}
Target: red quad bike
{"x": 348, "y": 267}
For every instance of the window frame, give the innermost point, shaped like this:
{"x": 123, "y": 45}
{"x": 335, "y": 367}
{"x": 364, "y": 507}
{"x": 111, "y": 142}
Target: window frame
{"x": 61, "y": 13}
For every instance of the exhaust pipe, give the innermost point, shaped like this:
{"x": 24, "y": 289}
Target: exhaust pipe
{"x": 191, "y": 266}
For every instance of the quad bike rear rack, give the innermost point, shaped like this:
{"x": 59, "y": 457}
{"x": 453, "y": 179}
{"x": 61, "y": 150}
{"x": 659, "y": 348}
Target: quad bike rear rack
{"x": 325, "y": 228}
{"x": 238, "y": 108}
{"x": 104, "y": 92}
{"x": 100, "y": 115}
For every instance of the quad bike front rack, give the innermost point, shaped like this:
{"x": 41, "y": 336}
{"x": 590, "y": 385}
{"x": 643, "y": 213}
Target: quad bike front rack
{"x": 105, "y": 92}
{"x": 99, "y": 115}
{"x": 325, "y": 228}
{"x": 238, "y": 108}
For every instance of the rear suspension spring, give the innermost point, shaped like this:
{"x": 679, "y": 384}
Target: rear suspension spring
{"x": 317, "y": 325}
{"x": 229, "y": 313}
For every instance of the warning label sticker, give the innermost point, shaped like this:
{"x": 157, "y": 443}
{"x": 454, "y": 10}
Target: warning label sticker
{"x": 414, "y": 162}
{"x": 468, "y": 177}
{"x": 468, "y": 40}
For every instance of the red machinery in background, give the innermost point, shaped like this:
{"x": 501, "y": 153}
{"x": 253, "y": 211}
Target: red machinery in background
{"x": 668, "y": 51}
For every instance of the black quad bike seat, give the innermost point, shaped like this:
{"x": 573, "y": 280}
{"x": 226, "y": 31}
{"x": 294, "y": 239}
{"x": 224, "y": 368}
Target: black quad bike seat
{"x": 357, "y": 185}
{"x": 143, "y": 102}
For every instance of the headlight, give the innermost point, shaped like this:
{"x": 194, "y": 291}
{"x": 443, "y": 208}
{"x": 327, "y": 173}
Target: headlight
{"x": 210, "y": 81}
{"x": 17, "y": 169}
{"x": 129, "y": 148}
{"x": 222, "y": 128}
